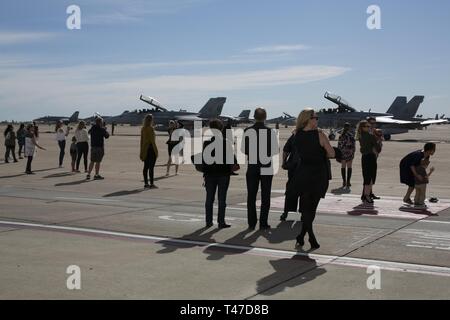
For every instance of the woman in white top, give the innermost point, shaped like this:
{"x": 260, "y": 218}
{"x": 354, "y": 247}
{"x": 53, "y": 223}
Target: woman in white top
{"x": 82, "y": 136}
{"x": 30, "y": 147}
{"x": 61, "y": 138}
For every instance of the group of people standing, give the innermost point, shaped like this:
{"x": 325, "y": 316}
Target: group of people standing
{"x": 27, "y": 139}
{"x": 306, "y": 157}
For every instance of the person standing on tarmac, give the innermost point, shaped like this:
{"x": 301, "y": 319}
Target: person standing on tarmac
{"x": 61, "y": 139}
{"x": 217, "y": 175}
{"x": 149, "y": 151}
{"x": 259, "y": 172}
{"x": 310, "y": 180}
{"x": 347, "y": 146}
{"x": 98, "y": 134}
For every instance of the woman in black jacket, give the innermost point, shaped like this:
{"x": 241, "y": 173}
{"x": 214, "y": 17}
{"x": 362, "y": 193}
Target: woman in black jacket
{"x": 312, "y": 172}
{"x": 216, "y": 173}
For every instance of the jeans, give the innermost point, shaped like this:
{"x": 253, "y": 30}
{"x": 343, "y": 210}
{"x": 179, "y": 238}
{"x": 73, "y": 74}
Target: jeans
{"x": 29, "y": 160}
{"x": 213, "y": 183}
{"x": 62, "y": 147}
{"x": 82, "y": 151}
{"x": 8, "y": 151}
{"x": 149, "y": 165}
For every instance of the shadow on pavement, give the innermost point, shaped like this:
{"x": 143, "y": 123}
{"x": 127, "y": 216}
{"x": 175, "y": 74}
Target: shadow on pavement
{"x": 363, "y": 209}
{"x": 73, "y": 183}
{"x": 287, "y": 275}
{"x": 285, "y": 231}
{"x": 24, "y": 174}
{"x": 341, "y": 190}
{"x": 413, "y": 210}
{"x": 59, "y": 175}
{"x": 198, "y": 235}
{"x": 124, "y": 193}
{"x": 217, "y": 253}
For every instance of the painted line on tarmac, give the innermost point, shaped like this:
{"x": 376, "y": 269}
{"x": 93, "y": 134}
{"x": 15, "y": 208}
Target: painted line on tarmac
{"x": 275, "y": 253}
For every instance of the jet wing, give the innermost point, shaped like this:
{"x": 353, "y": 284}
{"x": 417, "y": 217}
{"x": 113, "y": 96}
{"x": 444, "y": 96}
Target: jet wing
{"x": 428, "y": 122}
{"x": 389, "y": 120}
{"x": 189, "y": 118}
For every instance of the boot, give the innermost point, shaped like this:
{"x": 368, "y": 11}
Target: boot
{"x": 349, "y": 177}
{"x": 343, "y": 177}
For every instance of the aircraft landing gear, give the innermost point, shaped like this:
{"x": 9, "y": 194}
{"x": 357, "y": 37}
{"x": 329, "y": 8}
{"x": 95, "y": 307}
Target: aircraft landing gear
{"x": 387, "y": 137}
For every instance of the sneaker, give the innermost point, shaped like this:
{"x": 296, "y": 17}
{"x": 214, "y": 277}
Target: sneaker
{"x": 88, "y": 177}
{"x": 98, "y": 177}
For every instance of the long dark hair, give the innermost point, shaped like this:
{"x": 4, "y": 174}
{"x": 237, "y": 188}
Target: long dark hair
{"x": 8, "y": 129}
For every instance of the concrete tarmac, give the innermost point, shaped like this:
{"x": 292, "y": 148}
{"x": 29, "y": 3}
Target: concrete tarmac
{"x": 132, "y": 243}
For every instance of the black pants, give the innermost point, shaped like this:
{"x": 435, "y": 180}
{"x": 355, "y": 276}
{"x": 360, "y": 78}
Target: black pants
{"x": 369, "y": 168}
{"x": 62, "y": 149}
{"x": 308, "y": 207}
{"x": 20, "y": 149}
{"x": 8, "y": 151}
{"x": 290, "y": 203}
{"x": 29, "y": 160}
{"x": 82, "y": 151}
{"x": 149, "y": 165}
{"x": 254, "y": 178}
{"x": 213, "y": 183}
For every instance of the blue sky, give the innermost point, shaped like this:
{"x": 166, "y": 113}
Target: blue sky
{"x": 282, "y": 55}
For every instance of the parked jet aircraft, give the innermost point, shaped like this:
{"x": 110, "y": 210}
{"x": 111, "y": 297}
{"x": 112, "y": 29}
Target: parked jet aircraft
{"x": 54, "y": 119}
{"x": 162, "y": 116}
{"x": 398, "y": 119}
{"x": 285, "y": 120}
{"x": 243, "y": 117}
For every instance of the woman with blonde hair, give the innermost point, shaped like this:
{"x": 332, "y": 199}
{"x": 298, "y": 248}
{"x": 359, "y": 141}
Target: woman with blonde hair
{"x": 311, "y": 174}
{"x": 82, "y": 136}
{"x": 149, "y": 150}
{"x": 368, "y": 147}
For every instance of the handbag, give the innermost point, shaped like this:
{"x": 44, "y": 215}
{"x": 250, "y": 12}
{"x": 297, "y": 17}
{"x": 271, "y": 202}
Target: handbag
{"x": 198, "y": 166}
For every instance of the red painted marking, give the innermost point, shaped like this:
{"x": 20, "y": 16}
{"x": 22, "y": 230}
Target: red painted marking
{"x": 352, "y": 205}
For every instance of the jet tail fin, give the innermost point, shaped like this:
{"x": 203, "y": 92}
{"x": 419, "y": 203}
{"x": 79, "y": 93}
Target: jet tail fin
{"x": 74, "y": 117}
{"x": 403, "y": 110}
{"x": 244, "y": 114}
{"x": 213, "y": 108}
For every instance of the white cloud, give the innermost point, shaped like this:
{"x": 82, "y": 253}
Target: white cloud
{"x": 15, "y": 37}
{"x": 128, "y": 11}
{"x": 279, "y": 49}
{"x": 100, "y": 88}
